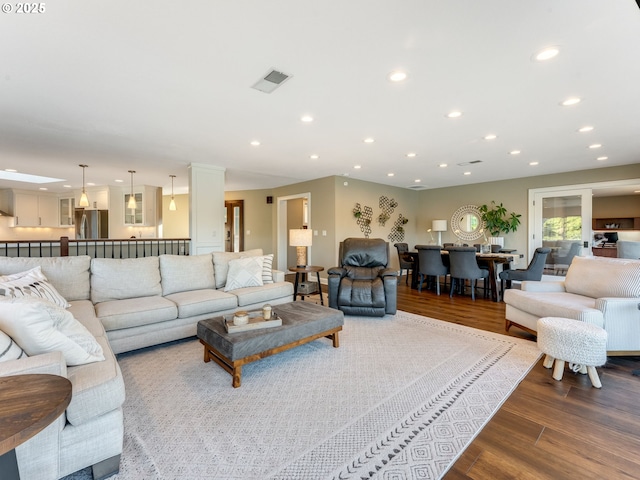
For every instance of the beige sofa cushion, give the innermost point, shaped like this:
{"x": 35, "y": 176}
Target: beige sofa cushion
{"x": 133, "y": 312}
{"x": 555, "y": 304}
{"x": 198, "y": 302}
{"x": 118, "y": 279}
{"x": 181, "y": 273}
{"x": 600, "y": 277}
{"x": 264, "y": 294}
{"x": 69, "y": 275}
{"x": 221, "y": 263}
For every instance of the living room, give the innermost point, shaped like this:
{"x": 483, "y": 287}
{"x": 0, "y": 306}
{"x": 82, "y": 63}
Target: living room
{"x": 158, "y": 87}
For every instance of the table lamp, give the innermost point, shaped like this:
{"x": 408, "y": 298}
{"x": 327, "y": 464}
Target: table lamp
{"x": 301, "y": 238}
{"x": 439, "y": 226}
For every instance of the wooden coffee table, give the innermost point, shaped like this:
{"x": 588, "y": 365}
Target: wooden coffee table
{"x": 302, "y": 322}
{"x": 28, "y": 404}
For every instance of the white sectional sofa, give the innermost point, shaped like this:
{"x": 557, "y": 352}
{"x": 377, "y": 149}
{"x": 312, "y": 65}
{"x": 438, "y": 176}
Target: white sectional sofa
{"x": 126, "y": 304}
{"x": 598, "y": 290}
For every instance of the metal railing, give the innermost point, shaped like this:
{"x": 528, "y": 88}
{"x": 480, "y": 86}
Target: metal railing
{"x": 96, "y": 248}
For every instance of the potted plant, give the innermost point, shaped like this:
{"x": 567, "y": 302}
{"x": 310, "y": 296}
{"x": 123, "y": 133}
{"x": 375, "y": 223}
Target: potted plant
{"x": 497, "y": 220}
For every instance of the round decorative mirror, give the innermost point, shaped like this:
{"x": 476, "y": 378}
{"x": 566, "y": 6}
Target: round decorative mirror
{"x": 466, "y": 223}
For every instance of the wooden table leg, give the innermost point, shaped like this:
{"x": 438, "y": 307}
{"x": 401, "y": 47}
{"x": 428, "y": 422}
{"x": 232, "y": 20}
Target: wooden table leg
{"x": 320, "y": 289}
{"x": 237, "y": 376}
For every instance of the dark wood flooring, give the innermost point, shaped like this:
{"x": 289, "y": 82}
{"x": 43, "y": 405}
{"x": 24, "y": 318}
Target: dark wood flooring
{"x": 546, "y": 429}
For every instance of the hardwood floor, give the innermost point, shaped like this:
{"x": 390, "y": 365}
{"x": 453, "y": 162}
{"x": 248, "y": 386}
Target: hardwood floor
{"x": 546, "y": 429}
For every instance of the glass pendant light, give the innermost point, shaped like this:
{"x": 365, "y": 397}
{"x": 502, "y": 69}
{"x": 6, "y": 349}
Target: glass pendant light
{"x": 172, "y": 205}
{"x": 84, "y": 200}
{"x": 132, "y": 198}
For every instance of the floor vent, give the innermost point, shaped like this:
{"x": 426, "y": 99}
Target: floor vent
{"x": 272, "y": 80}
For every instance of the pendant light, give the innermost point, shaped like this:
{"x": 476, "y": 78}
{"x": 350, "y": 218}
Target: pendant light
{"x": 132, "y": 198}
{"x": 84, "y": 200}
{"x": 172, "y": 205}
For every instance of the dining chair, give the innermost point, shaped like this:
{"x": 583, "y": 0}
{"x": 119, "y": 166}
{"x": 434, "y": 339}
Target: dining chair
{"x": 532, "y": 272}
{"x": 463, "y": 265}
{"x": 430, "y": 264}
{"x": 562, "y": 263}
{"x": 405, "y": 260}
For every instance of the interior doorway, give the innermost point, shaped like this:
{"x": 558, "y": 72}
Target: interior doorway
{"x": 301, "y": 218}
{"x": 234, "y": 225}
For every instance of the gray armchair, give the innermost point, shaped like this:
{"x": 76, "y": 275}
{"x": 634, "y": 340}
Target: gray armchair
{"x": 532, "y": 272}
{"x": 363, "y": 284}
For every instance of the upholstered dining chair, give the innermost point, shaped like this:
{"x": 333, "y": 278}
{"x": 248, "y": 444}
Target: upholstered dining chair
{"x": 405, "y": 260}
{"x": 430, "y": 264}
{"x": 565, "y": 261}
{"x": 628, "y": 249}
{"x": 532, "y": 272}
{"x": 464, "y": 266}
{"x": 364, "y": 284}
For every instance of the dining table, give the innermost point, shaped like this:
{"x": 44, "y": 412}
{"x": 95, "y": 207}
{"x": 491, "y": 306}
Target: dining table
{"x": 492, "y": 261}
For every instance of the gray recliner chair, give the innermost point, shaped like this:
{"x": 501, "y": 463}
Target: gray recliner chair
{"x": 363, "y": 284}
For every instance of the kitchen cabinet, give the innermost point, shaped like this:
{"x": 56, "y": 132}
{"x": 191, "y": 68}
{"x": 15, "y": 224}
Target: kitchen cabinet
{"x": 98, "y": 198}
{"x": 148, "y": 201}
{"x": 66, "y": 209}
{"x": 35, "y": 210}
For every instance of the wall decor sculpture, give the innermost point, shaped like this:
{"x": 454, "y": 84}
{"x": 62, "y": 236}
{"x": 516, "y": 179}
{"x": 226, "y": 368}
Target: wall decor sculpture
{"x": 363, "y": 218}
{"x": 387, "y": 205}
{"x": 397, "y": 232}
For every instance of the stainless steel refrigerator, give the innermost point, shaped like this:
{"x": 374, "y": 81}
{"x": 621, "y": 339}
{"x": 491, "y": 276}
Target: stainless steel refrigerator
{"x": 91, "y": 223}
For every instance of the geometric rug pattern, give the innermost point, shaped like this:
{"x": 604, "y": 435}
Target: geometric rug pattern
{"x": 401, "y": 398}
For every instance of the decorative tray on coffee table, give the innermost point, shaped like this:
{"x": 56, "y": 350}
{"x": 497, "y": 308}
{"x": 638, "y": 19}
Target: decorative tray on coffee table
{"x": 256, "y": 322}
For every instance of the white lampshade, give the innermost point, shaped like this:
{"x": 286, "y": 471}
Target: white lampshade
{"x": 300, "y": 237}
{"x": 439, "y": 225}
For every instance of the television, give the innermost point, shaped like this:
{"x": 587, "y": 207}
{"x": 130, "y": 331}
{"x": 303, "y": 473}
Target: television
{"x": 612, "y": 237}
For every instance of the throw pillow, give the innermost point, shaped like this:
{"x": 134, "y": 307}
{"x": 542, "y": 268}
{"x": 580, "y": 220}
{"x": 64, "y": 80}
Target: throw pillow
{"x": 31, "y": 283}
{"x": 39, "y": 326}
{"x": 9, "y": 350}
{"x": 221, "y": 263}
{"x": 267, "y": 269}
{"x": 244, "y": 272}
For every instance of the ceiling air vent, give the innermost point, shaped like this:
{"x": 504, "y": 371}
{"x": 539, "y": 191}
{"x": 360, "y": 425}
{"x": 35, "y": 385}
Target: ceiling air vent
{"x": 272, "y": 80}
{"x": 417, "y": 187}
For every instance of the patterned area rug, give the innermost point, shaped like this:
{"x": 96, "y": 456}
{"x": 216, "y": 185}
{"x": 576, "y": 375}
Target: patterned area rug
{"x": 401, "y": 398}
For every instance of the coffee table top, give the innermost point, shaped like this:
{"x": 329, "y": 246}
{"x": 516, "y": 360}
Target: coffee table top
{"x": 28, "y": 404}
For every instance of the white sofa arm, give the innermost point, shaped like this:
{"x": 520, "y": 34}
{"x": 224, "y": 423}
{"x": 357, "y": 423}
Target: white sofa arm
{"x": 531, "y": 286}
{"x": 52, "y": 363}
{"x": 622, "y": 322}
{"x": 278, "y": 275}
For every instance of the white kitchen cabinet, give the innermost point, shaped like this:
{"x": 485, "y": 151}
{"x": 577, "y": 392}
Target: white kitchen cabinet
{"x": 67, "y": 211}
{"x": 98, "y": 198}
{"x": 146, "y": 206}
{"x": 35, "y": 210}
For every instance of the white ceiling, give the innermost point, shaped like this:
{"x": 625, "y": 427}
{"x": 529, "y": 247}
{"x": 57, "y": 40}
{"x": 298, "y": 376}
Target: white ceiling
{"x": 155, "y": 85}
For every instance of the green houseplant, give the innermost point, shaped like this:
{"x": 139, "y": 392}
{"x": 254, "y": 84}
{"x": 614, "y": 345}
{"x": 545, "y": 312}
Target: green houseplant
{"x": 498, "y": 220}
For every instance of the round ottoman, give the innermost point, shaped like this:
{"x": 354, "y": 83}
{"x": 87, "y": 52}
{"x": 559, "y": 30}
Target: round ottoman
{"x": 567, "y": 340}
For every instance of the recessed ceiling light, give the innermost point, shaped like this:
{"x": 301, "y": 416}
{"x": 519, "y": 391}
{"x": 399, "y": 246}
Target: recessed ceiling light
{"x": 369, "y": 140}
{"x": 411, "y": 154}
{"x": 255, "y": 143}
{"x": 571, "y": 101}
{"x": 547, "y": 53}
{"x": 397, "y": 76}
{"x": 467, "y": 173}
{"x": 43, "y": 188}
{"x": 602, "y": 158}
{"x": 586, "y": 128}
{"x": 307, "y": 118}
{"x": 442, "y": 165}
{"x": 491, "y": 136}
{"x": 13, "y": 170}
{"x": 66, "y": 186}
{"x": 357, "y": 167}
{"x": 533, "y": 163}
{"x": 345, "y": 174}
{"x": 514, "y": 152}
{"x": 595, "y": 145}
{"x": 417, "y": 180}
{"x": 91, "y": 184}
{"x": 454, "y": 114}
{"x": 118, "y": 180}
{"x": 314, "y": 156}
{"x": 390, "y": 174}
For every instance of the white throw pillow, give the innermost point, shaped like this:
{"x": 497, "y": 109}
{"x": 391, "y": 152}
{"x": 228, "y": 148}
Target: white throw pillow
{"x": 39, "y": 326}
{"x": 244, "y": 272}
{"x": 267, "y": 269}
{"x": 31, "y": 283}
{"x": 9, "y": 350}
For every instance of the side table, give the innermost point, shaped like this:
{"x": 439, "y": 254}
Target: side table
{"x": 28, "y": 404}
{"x": 304, "y": 271}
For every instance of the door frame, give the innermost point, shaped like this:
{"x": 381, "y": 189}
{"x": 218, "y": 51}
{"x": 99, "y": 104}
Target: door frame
{"x": 282, "y": 234}
{"x": 229, "y": 206}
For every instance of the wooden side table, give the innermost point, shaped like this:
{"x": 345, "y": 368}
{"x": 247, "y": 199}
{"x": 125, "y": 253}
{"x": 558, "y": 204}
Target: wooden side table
{"x": 304, "y": 271}
{"x": 28, "y": 404}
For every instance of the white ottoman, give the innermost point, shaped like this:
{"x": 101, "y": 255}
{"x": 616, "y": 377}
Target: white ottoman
{"x": 567, "y": 340}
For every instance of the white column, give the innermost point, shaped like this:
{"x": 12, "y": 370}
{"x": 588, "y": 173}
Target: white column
{"x": 206, "y": 208}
